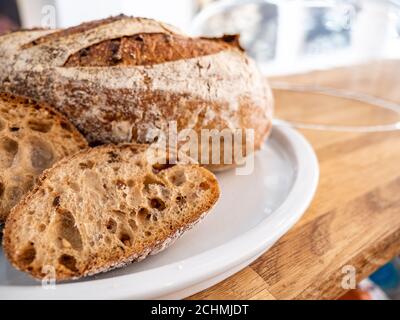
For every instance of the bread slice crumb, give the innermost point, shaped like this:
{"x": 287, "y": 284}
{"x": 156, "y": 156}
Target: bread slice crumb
{"x": 105, "y": 207}
{"x": 32, "y": 138}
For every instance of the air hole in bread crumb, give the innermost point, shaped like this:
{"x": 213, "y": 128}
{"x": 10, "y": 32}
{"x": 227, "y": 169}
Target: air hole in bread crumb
{"x": 111, "y": 225}
{"x": 139, "y": 164}
{"x": 142, "y": 214}
{"x": 180, "y": 200}
{"x": 28, "y": 183}
{"x": 42, "y": 227}
{"x": 86, "y": 165}
{"x": 56, "y": 201}
{"x": 157, "y": 203}
{"x": 68, "y": 230}
{"x": 28, "y": 255}
{"x": 14, "y": 129}
{"x": 147, "y": 233}
{"x": 41, "y": 192}
{"x": 178, "y": 178}
{"x": 65, "y": 126}
{"x": 2, "y": 188}
{"x": 113, "y": 157}
{"x": 125, "y": 239}
{"x": 42, "y": 156}
{"x": 148, "y": 180}
{"x": 158, "y": 167}
{"x": 74, "y": 186}
{"x": 133, "y": 224}
{"x": 14, "y": 194}
{"x": 68, "y": 262}
{"x": 119, "y": 213}
{"x": 138, "y": 38}
{"x": 120, "y": 184}
{"x": 204, "y": 186}
{"x": 40, "y": 126}
{"x": 8, "y": 149}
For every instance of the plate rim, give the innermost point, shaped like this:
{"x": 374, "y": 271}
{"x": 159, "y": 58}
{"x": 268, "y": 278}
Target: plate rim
{"x": 152, "y": 284}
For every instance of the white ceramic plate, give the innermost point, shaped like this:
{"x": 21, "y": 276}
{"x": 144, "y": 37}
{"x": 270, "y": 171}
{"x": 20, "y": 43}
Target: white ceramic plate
{"x": 253, "y": 213}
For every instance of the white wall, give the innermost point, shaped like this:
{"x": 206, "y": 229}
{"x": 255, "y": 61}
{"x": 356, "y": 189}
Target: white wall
{"x": 72, "y": 12}
{"x": 31, "y": 12}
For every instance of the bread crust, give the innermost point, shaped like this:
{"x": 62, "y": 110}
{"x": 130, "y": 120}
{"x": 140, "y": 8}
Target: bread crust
{"x": 220, "y": 90}
{"x": 11, "y": 238}
{"x": 150, "y": 251}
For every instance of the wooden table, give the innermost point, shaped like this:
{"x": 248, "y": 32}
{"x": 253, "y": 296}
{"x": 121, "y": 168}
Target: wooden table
{"x": 354, "y": 219}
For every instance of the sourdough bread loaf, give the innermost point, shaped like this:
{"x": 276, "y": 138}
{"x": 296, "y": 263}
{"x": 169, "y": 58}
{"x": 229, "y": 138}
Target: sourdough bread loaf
{"x": 105, "y": 207}
{"x": 124, "y": 79}
{"x": 32, "y": 138}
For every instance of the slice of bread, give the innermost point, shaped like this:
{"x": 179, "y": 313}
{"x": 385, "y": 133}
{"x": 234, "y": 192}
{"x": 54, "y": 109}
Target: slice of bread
{"x": 105, "y": 207}
{"x": 32, "y": 138}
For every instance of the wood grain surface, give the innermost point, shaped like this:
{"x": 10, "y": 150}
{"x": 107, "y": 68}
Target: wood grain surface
{"x": 354, "y": 219}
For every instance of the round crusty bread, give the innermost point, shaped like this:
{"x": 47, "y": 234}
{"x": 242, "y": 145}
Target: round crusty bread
{"x": 124, "y": 79}
{"x": 105, "y": 207}
{"x": 32, "y": 138}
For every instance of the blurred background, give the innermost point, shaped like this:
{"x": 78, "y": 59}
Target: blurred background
{"x": 284, "y": 36}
